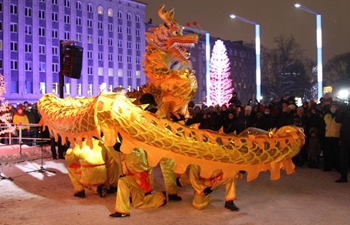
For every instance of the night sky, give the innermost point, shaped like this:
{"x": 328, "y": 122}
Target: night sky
{"x": 274, "y": 16}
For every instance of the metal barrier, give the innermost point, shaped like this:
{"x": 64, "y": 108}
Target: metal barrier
{"x": 31, "y": 138}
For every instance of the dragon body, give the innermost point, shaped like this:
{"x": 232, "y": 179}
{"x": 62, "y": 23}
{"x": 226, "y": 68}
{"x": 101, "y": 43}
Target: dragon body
{"x": 172, "y": 82}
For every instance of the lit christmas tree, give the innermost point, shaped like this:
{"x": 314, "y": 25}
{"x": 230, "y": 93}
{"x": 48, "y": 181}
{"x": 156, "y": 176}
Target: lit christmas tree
{"x": 5, "y": 117}
{"x": 221, "y": 85}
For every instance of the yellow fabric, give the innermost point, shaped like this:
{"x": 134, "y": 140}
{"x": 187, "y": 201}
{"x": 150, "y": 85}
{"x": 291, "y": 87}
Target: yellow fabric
{"x": 167, "y": 168}
{"x": 92, "y": 169}
{"x": 21, "y": 119}
{"x": 200, "y": 200}
{"x": 332, "y": 128}
{"x": 133, "y": 164}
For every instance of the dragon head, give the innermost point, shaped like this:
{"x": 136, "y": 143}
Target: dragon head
{"x": 169, "y": 38}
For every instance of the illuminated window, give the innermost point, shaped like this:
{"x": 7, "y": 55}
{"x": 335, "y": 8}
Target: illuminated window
{"x": 100, "y": 10}
{"x": 138, "y": 74}
{"x": 89, "y": 39}
{"x": 79, "y": 89}
{"x": 100, "y": 71}
{"x": 110, "y": 72}
{"x": 55, "y": 88}
{"x": 120, "y": 73}
{"x": 90, "y": 89}
{"x": 67, "y": 87}
{"x": 42, "y": 88}
{"x": 110, "y": 12}
{"x": 42, "y": 67}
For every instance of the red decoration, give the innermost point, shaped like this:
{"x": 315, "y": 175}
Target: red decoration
{"x": 195, "y": 23}
{"x": 188, "y": 24}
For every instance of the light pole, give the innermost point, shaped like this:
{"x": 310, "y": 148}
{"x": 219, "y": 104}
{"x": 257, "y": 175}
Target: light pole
{"x": 257, "y": 52}
{"x": 319, "y": 48}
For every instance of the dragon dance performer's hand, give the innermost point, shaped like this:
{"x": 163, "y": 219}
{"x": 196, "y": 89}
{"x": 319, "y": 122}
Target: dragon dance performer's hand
{"x": 207, "y": 191}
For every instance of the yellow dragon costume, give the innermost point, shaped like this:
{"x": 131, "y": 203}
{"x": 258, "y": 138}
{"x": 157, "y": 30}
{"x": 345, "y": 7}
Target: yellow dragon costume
{"x": 173, "y": 84}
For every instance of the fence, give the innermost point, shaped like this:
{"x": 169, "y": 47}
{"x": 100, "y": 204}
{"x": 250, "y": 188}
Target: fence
{"x": 33, "y": 137}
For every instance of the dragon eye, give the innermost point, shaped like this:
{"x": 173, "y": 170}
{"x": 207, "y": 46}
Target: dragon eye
{"x": 174, "y": 33}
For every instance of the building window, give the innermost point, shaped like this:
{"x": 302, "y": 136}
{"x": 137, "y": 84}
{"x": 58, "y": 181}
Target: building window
{"x": 54, "y": 2}
{"x": 129, "y": 73}
{"x": 120, "y": 29}
{"x": 137, "y": 32}
{"x": 89, "y": 70}
{"x": 41, "y": 49}
{"x": 41, "y": 31}
{"x": 13, "y": 27}
{"x": 67, "y": 3}
{"x": 89, "y": 54}
{"x": 137, "y": 46}
{"x": 41, "y": 14}
{"x": 79, "y": 89}
{"x": 66, "y": 18}
{"x": 78, "y": 5}
{"x": 78, "y": 21}
{"x": 13, "y": 9}
{"x": 120, "y": 58}
{"x": 28, "y": 66}
{"x": 100, "y": 25}
{"x": 100, "y": 40}
{"x": 55, "y": 88}
{"x": 110, "y": 57}
{"x": 55, "y": 33}
{"x": 54, "y": 50}
{"x": 0, "y": 44}
{"x": 0, "y": 25}
{"x": 100, "y": 71}
{"x": 120, "y": 73}
{"x": 89, "y": 23}
{"x": 128, "y": 30}
{"x": 28, "y": 48}
{"x": 13, "y": 46}
{"x": 42, "y": 88}
{"x": 110, "y": 72}
{"x": 55, "y": 67}
{"x": 67, "y": 87}
{"x": 14, "y": 65}
{"x": 128, "y": 59}
{"x": 137, "y": 18}
{"x": 89, "y": 7}
{"x": 120, "y": 15}
{"x": 28, "y": 29}
{"x": 128, "y": 17}
{"x": 89, "y": 39}
{"x": 110, "y": 26}
{"x": 54, "y": 17}
{"x": 120, "y": 43}
{"x": 110, "y": 12}
{"x": 100, "y": 56}
{"x": 67, "y": 35}
{"x": 42, "y": 67}
{"x": 128, "y": 45}
{"x": 137, "y": 60}
{"x": 110, "y": 41}
{"x": 28, "y": 12}
{"x": 78, "y": 37}
{"x": 100, "y": 10}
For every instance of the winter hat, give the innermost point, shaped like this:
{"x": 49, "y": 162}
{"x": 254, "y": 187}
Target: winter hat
{"x": 20, "y": 107}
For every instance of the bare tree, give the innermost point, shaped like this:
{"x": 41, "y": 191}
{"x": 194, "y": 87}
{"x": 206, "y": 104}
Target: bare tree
{"x": 337, "y": 71}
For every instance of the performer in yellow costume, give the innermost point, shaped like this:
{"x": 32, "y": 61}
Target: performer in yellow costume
{"x": 203, "y": 187}
{"x": 135, "y": 181}
{"x": 96, "y": 169}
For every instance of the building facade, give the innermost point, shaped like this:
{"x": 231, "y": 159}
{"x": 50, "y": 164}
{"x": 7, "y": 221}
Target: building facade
{"x": 111, "y": 33}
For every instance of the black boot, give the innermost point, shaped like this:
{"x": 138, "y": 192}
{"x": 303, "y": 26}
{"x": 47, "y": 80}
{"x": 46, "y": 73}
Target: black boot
{"x": 80, "y": 194}
{"x": 231, "y": 206}
{"x": 116, "y": 215}
{"x": 174, "y": 197}
{"x": 102, "y": 190}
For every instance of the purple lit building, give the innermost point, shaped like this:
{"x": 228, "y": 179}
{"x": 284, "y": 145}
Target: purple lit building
{"x": 111, "y": 33}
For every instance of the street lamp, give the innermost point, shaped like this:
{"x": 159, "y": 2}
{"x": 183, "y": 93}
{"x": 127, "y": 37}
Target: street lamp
{"x": 257, "y": 52}
{"x": 319, "y": 48}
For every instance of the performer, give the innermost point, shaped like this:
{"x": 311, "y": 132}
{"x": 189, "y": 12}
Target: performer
{"x": 96, "y": 170}
{"x": 166, "y": 165}
{"x": 203, "y": 187}
{"x": 135, "y": 181}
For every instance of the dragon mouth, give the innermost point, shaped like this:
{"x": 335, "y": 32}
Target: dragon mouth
{"x": 181, "y": 49}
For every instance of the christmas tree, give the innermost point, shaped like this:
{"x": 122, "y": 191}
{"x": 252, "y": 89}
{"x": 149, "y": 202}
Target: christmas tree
{"x": 221, "y": 84}
{"x": 5, "y": 116}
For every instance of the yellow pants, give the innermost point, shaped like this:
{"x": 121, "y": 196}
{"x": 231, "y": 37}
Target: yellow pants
{"x": 128, "y": 185}
{"x": 167, "y": 167}
{"x": 74, "y": 174}
{"x": 200, "y": 201}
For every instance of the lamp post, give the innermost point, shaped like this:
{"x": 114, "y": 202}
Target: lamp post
{"x": 207, "y": 57}
{"x": 319, "y": 48}
{"x": 257, "y": 52}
